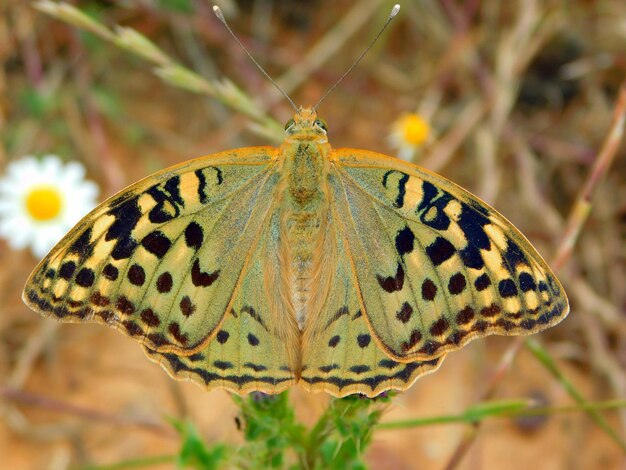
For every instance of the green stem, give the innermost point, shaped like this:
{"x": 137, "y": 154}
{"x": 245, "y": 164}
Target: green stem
{"x": 166, "y": 68}
{"x": 542, "y": 355}
{"x": 502, "y": 409}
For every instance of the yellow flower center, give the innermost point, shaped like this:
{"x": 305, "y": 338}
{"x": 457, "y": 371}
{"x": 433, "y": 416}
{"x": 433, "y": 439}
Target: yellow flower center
{"x": 43, "y": 202}
{"x": 415, "y": 130}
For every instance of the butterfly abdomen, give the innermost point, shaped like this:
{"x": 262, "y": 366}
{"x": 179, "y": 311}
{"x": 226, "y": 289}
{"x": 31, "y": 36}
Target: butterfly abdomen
{"x": 303, "y": 225}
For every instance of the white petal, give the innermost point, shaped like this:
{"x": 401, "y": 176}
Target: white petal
{"x": 10, "y": 187}
{"x": 73, "y": 173}
{"x": 24, "y": 166}
{"x": 43, "y": 243}
{"x": 406, "y": 152}
{"x": 51, "y": 166}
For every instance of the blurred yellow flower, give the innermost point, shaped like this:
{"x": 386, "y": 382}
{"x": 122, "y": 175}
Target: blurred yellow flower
{"x": 40, "y": 200}
{"x": 409, "y": 132}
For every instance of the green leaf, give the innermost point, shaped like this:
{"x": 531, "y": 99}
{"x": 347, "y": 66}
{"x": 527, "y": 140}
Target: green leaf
{"x": 194, "y": 453}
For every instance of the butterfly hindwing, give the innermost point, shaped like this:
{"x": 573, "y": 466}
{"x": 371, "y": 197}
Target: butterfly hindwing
{"x": 339, "y": 354}
{"x": 436, "y": 267}
{"x": 161, "y": 261}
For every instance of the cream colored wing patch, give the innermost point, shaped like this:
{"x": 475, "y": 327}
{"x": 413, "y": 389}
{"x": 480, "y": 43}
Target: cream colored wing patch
{"x": 436, "y": 267}
{"x": 340, "y": 355}
{"x": 162, "y": 260}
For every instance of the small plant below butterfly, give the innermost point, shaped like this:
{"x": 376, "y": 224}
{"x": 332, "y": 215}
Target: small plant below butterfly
{"x": 275, "y": 439}
{"x": 194, "y": 453}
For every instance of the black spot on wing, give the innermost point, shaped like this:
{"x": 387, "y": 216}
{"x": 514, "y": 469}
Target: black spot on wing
{"x": 392, "y": 283}
{"x": 471, "y": 257}
{"x": 253, "y": 340}
{"x": 200, "y": 278}
{"x": 482, "y": 282}
{"x": 202, "y": 181}
{"x": 223, "y": 365}
{"x": 465, "y": 316}
{"x": 404, "y": 241}
{"x": 405, "y": 312}
{"x": 110, "y": 272}
{"x": 414, "y": 338}
{"x": 164, "y": 283}
{"x": 456, "y": 284}
{"x": 360, "y": 369}
{"x": 472, "y": 222}
{"x": 150, "y": 318}
{"x": 222, "y": 336}
{"x": 432, "y": 205}
{"x": 187, "y": 307}
{"x": 513, "y": 256}
{"x": 136, "y": 275}
{"x": 201, "y": 185}
{"x": 82, "y": 246}
{"x": 125, "y": 306}
{"x": 491, "y": 310}
{"x": 85, "y": 277}
{"x": 439, "y": 327}
{"x": 194, "y": 235}
{"x": 124, "y": 248}
{"x": 254, "y": 367}
{"x": 156, "y": 243}
{"x": 526, "y": 282}
{"x": 401, "y": 186}
{"x": 507, "y": 288}
{"x": 99, "y": 300}
{"x": 67, "y": 269}
{"x": 168, "y": 201}
{"x": 127, "y": 215}
{"x": 440, "y": 251}
{"x": 388, "y": 363}
{"x": 429, "y": 289}
{"x": 175, "y": 331}
{"x": 363, "y": 340}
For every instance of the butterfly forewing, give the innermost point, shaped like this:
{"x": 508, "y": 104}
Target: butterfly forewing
{"x": 162, "y": 260}
{"x": 436, "y": 267}
{"x": 247, "y": 353}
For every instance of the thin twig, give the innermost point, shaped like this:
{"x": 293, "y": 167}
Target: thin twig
{"x": 25, "y": 398}
{"x": 582, "y": 207}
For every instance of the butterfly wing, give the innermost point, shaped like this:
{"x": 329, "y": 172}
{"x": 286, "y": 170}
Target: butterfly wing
{"x": 435, "y": 266}
{"x": 339, "y": 355}
{"x": 248, "y": 353}
{"x": 162, "y": 261}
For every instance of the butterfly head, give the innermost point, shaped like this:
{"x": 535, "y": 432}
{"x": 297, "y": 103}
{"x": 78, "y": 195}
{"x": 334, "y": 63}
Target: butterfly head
{"x": 305, "y": 125}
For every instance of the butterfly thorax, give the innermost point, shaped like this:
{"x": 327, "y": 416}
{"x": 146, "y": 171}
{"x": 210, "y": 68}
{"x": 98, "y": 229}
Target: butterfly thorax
{"x": 304, "y": 156}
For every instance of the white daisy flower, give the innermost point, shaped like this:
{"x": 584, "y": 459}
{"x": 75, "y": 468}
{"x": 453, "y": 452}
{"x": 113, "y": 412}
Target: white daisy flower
{"x": 409, "y": 132}
{"x": 41, "y": 199}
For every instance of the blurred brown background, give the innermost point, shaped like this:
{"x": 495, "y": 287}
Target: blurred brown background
{"x": 520, "y": 97}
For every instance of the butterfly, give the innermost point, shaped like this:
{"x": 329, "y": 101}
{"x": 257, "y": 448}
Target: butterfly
{"x": 343, "y": 270}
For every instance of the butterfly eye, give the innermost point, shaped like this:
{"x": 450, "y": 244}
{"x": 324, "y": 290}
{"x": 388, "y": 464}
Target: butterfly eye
{"x": 322, "y": 124}
{"x": 290, "y": 123}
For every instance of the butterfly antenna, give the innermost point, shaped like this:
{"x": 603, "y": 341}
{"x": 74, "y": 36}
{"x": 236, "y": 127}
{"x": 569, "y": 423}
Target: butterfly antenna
{"x": 220, "y": 16}
{"x": 392, "y": 15}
